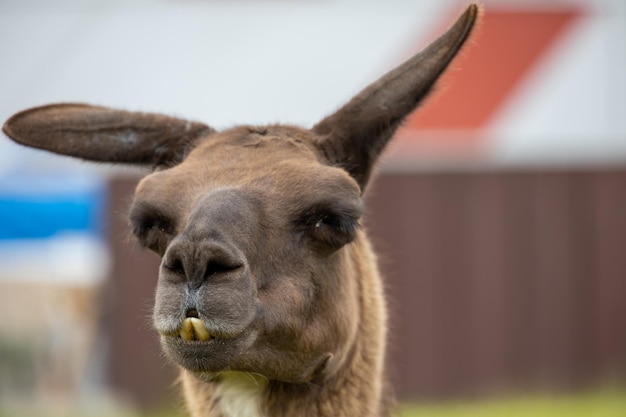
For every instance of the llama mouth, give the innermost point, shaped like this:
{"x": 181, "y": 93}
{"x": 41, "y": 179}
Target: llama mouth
{"x": 193, "y": 329}
{"x": 194, "y": 347}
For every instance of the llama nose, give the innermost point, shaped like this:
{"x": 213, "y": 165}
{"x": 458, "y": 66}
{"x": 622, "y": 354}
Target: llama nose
{"x": 196, "y": 263}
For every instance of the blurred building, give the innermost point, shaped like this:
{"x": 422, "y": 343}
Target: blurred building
{"x": 53, "y": 262}
{"x": 500, "y": 211}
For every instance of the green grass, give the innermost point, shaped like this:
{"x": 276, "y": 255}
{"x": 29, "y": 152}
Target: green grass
{"x": 599, "y": 404}
{"x": 608, "y": 403}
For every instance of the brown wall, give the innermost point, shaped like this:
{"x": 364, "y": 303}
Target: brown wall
{"x": 137, "y": 370}
{"x": 503, "y": 280}
{"x": 497, "y": 281}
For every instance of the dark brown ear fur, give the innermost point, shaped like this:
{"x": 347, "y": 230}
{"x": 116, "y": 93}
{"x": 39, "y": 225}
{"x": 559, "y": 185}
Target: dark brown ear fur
{"x": 106, "y": 135}
{"x": 355, "y": 135}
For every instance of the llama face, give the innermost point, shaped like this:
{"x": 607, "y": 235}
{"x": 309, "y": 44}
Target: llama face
{"x": 251, "y": 227}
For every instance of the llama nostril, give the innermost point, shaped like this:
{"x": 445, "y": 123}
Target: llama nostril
{"x": 220, "y": 267}
{"x": 192, "y": 312}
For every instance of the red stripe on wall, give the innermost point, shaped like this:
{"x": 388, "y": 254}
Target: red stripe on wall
{"x": 507, "y": 47}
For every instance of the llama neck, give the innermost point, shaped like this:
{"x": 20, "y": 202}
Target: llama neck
{"x": 241, "y": 394}
{"x": 359, "y": 391}
{"x": 231, "y": 394}
{"x": 358, "y": 387}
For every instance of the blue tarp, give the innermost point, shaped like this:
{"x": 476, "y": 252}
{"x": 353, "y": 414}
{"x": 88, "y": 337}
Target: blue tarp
{"x": 42, "y": 207}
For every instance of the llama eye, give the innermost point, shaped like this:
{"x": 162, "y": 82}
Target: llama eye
{"x": 334, "y": 231}
{"x": 328, "y": 221}
{"x": 151, "y": 227}
{"x": 156, "y": 239}
{"x": 331, "y": 224}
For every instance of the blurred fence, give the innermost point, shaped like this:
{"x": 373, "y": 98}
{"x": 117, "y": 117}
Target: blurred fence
{"x": 504, "y": 280}
{"x": 498, "y": 281}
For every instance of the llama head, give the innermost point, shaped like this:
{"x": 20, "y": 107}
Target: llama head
{"x": 254, "y": 224}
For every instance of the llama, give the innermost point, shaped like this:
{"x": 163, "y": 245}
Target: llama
{"x": 268, "y": 297}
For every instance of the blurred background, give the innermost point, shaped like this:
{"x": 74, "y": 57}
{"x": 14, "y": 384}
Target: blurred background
{"x": 499, "y": 212}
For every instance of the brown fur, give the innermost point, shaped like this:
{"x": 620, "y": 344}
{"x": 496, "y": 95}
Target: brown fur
{"x": 258, "y": 228}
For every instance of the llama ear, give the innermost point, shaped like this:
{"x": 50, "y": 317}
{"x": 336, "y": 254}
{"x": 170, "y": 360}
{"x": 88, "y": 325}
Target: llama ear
{"x": 106, "y": 135}
{"x": 355, "y": 135}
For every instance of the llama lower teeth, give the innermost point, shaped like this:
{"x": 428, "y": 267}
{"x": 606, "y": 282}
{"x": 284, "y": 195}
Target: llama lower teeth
{"x": 194, "y": 329}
